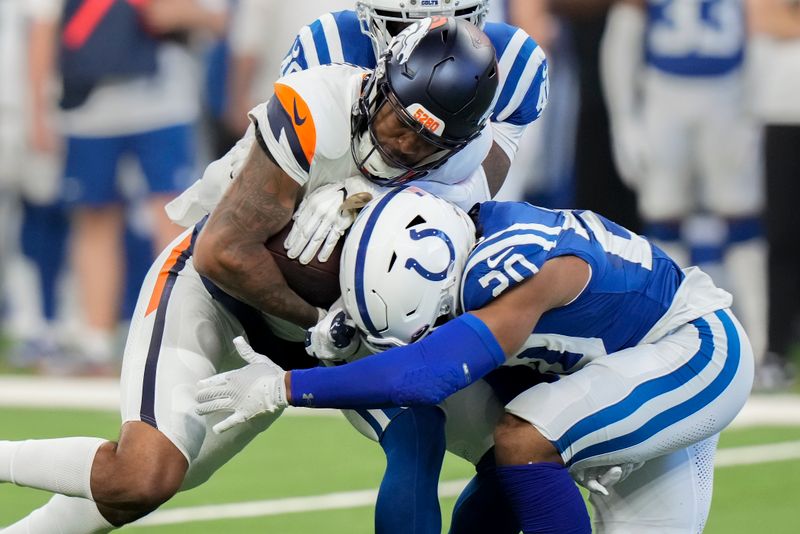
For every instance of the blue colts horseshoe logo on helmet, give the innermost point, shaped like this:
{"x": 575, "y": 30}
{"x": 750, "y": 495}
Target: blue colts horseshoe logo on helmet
{"x": 412, "y": 263}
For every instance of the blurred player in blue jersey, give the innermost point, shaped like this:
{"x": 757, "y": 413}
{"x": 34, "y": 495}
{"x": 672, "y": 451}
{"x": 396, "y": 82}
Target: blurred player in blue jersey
{"x": 648, "y": 361}
{"x": 685, "y": 141}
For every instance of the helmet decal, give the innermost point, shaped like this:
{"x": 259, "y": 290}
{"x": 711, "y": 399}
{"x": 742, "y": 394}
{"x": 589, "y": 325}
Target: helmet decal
{"x": 402, "y": 265}
{"x": 428, "y": 120}
{"x": 407, "y": 40}
{"x": 413, "y": 263}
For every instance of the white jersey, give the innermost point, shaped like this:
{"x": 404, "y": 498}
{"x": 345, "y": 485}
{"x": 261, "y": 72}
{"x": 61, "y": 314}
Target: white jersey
{"x": 306, "y": 128}
{"x": 703, "y": 38}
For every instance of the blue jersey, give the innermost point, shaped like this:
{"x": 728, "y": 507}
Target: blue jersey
{"x": 337, "y": 38}
{"x": 632, "y": 284}
{"x": 695, "y": 37}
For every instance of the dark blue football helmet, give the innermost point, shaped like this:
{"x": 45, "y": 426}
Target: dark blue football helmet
{"x": 440, "y": 77}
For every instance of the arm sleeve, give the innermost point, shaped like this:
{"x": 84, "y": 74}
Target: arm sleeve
{"x": 507, "y": 136}
{"x": 422, "y": 373}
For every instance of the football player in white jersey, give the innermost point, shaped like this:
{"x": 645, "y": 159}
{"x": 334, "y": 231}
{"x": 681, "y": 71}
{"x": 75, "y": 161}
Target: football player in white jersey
{"x": 647, "y": 361}
{"x": 359, "y": 37}
{"x": 215, "y": 281}
{"x": 685, "y": 141}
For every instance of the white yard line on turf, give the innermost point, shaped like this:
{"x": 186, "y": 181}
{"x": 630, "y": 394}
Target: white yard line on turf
{"x": 103, "y": 394}
{"x": 353, "y": 499}
{"x": 80, "y": 394}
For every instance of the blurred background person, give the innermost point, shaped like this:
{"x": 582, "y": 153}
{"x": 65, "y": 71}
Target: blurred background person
{"x": 260, "y": 34}
{"x": 684, "y": 139}
{"x": 543, "y": 171}
{"x": 33, "y": 225}
{"x": 774, "y": 69}
{"x": 130, "y": 92}
{"x": 598, "y": 186}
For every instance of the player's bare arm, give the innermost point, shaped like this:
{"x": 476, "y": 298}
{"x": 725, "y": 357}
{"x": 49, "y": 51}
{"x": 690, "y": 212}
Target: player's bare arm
{"x": 496, "y": 165}
{"x": 512, "y": 316}
{"x": 230, "y": 249}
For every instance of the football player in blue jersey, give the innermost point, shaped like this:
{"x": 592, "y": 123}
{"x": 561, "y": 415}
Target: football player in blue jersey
{"x": 647, "y": 361}
{"x": 360, "y": 36}
{"x": 685, "y": 141}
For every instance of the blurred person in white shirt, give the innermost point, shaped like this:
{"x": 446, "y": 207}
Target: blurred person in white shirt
{"x": 684, "y": 139}
{"x": 131, "y": 90}
{"x": 774, "y": 82}
{"x": 259, "y": 33}
{"x": 32, "y": 222}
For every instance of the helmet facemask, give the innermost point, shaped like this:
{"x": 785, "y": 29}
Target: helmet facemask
{"x": 381, "y": 20}
{"x": 375, "y": 163}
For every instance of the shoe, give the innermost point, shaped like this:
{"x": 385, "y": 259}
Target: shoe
{"x": 773, "y": 373}
{"x": 30, "y": 353}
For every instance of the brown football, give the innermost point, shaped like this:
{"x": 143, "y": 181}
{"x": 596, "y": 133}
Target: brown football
{"x": 317, "y": 283}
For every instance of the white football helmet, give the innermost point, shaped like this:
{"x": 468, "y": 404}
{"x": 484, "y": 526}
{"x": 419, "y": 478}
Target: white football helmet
{"x": 401, "y": 266}
{"x": 383, "y": 19}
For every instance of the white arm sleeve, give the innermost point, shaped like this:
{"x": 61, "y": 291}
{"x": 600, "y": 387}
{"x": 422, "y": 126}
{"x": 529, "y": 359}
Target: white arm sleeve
{"x": 203, "y": 195}
{"x": 463, "y": 194}
{"x": 621, "y": 58}
{"x": 507, "y": 137}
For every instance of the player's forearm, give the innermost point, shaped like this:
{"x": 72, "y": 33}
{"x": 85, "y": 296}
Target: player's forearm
{"x": 230, "y": 250}
{"x": 777, "y": 18}
{"x": 621, "y": 58}
{"x": 257, "y": 281}
{"x": 41, "y": 65}
{"x": 422, "y": 373}
{"x": 496, "y": 167}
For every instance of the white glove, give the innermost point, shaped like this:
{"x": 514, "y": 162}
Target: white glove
{"x": 334, "y": 337}
{"x": 324, "y": 216}
{"x": 630, "y": 149}
{"x": 252, "y": 390}
{"x": 599, "y": 479}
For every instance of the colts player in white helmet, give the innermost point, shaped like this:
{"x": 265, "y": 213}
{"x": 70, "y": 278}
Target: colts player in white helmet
{"x": 648, "y": 362}
{"x": 684, "y": 139}
{"x": 217, "y": 281}
{"x": 360, "y": 36}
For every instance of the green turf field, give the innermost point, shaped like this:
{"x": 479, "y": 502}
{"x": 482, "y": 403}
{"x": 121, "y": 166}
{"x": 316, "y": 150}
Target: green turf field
{"x": 309, "y": 456}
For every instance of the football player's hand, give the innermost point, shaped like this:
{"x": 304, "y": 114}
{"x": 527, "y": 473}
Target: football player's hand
{"x": 252, "y": 390}
{"x": 323, "y": 217}
{"x": 630, "y": 149}
{"x": 599, "y": 479}
{"x": 335, "y": 337}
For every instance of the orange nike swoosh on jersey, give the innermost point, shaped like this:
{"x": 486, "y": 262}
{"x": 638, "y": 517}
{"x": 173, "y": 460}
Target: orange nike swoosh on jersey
{"x": 302, "y": 121}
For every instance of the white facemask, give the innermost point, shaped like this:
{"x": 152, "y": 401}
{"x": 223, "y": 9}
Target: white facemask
{"x": 375, "y": 164}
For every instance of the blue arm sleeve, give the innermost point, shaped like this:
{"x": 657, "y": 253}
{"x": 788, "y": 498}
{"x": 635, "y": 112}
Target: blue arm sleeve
{"x": 422, "y": 373}
{"x": 408, "y": 500}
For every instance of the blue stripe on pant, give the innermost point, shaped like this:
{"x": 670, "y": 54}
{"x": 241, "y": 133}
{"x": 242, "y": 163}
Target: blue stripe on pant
{"x": 659, "y": 386}
{"x": 389, "y": 413}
